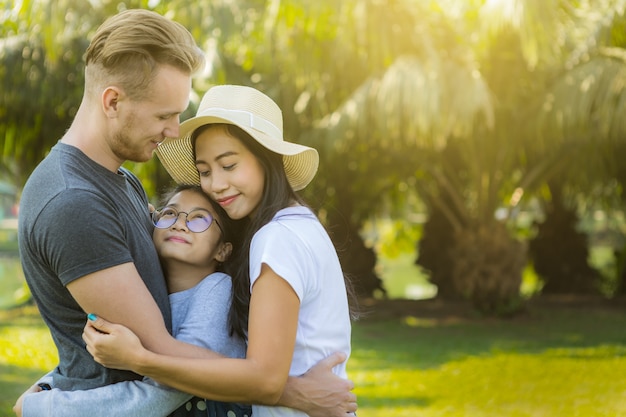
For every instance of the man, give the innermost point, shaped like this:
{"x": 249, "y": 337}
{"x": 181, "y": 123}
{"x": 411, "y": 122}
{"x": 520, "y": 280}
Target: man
{"x": 81, "y": 247}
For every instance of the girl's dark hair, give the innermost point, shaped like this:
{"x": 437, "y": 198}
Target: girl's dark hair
{"x": 277, "y": 194}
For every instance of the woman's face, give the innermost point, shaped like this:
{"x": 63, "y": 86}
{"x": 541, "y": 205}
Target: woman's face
{"x": 229, "y": 172}
{"x": 178, "y": 243}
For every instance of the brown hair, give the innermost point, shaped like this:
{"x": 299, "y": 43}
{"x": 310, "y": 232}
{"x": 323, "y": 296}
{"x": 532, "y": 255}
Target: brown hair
{"x": 128, "y": 49}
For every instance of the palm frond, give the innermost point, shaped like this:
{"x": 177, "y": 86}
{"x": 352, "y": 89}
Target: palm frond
{"x": 588, "y": 101}
{"x": 415, "y": 103}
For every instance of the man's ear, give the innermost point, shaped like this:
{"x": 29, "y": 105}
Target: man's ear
{"x": 224, "y": 251}
{"x": 110, "y": 98}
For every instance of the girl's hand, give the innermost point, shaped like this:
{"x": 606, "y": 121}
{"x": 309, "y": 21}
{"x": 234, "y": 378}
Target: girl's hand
{"x": 17, "y": 408}
{"x": 112, "y": 345}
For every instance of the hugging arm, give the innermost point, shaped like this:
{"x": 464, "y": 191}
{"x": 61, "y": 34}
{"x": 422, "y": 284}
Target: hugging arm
{"x": 260, "y": 378}
{"x": 200, "y": 327}
{"x": 319, "y": 392}
{"x": 119, "y": 294}
{"x": 129, "y": 398}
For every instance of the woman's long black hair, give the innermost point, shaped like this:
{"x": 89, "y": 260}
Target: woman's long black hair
{"x": 277, "y": 195}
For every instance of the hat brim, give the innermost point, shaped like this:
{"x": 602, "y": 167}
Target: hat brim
{"x": 177, "y": 156}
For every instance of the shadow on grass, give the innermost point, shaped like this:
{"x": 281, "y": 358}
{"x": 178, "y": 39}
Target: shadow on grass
{"x": 394, "y": 402}
{"x": 424, "y": 337}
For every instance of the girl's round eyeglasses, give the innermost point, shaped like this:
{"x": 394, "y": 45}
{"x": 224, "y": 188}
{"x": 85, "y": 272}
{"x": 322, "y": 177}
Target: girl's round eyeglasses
{"x": 197, "y": 220}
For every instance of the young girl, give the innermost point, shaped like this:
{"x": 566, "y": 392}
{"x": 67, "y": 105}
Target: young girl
{"x": 193, "y": 242}
{"x": 288, "y": 277}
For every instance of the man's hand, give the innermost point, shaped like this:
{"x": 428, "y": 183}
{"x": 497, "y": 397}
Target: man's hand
{"x": 319, "y": 392}
{"x": 17, "y": 408}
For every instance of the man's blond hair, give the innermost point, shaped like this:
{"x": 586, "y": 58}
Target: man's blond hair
{"x": 128, "y": 49}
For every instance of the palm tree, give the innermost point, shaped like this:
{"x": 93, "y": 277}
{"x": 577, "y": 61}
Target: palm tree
{"x": 582, "y": 109}
{"x": 423, "y": 103}
{"x": 466, "y": 111}
{"x": 440, "y": 97}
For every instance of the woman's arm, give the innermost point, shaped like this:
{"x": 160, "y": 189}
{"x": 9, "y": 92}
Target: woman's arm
{"x": 319, "y": 392}
{"x": 258, "y": 379}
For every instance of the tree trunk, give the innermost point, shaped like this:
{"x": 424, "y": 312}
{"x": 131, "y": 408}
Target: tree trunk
{"x": 487, "y": 268}
{"x": 434, "y": 254}
{"x": 357, "y": 261}
{"x": 560, "y": 252}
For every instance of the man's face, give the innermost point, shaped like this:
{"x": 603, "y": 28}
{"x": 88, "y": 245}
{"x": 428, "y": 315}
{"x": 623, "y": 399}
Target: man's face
{"x": 143, "y": 124}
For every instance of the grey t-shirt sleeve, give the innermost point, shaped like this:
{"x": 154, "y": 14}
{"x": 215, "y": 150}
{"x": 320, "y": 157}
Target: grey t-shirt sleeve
{"x": 85, "y": 222}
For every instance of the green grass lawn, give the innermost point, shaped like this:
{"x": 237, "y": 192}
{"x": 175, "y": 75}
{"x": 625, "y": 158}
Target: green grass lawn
{"x": 26, "y": 353}
{"x": 553, "y": 361}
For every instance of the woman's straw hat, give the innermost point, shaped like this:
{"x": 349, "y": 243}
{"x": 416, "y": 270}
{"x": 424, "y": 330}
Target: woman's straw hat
{"x": 252, "y": 111}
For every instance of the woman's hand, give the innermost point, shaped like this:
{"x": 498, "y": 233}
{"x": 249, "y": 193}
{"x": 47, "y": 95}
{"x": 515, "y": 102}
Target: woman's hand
{"x": 112, "y": 345}
{"x": 17, "y": 408}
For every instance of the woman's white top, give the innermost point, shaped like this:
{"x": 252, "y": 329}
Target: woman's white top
{"x": 297, "y": 247}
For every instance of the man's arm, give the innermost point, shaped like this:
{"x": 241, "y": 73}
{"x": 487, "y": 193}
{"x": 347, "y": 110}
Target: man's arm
{"x": 119, "y": 295}
{"x": 319, "y": 392}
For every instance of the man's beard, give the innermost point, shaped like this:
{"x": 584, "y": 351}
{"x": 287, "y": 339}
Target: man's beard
{"x": 125, "y": 148}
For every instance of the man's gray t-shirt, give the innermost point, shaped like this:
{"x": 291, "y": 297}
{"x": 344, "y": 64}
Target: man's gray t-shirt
{"x": 76, "y": 218}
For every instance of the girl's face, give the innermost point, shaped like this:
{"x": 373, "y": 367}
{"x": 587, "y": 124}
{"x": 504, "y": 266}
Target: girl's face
{"x": 229, "y": 172}
{"x": 179, "y": 244}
